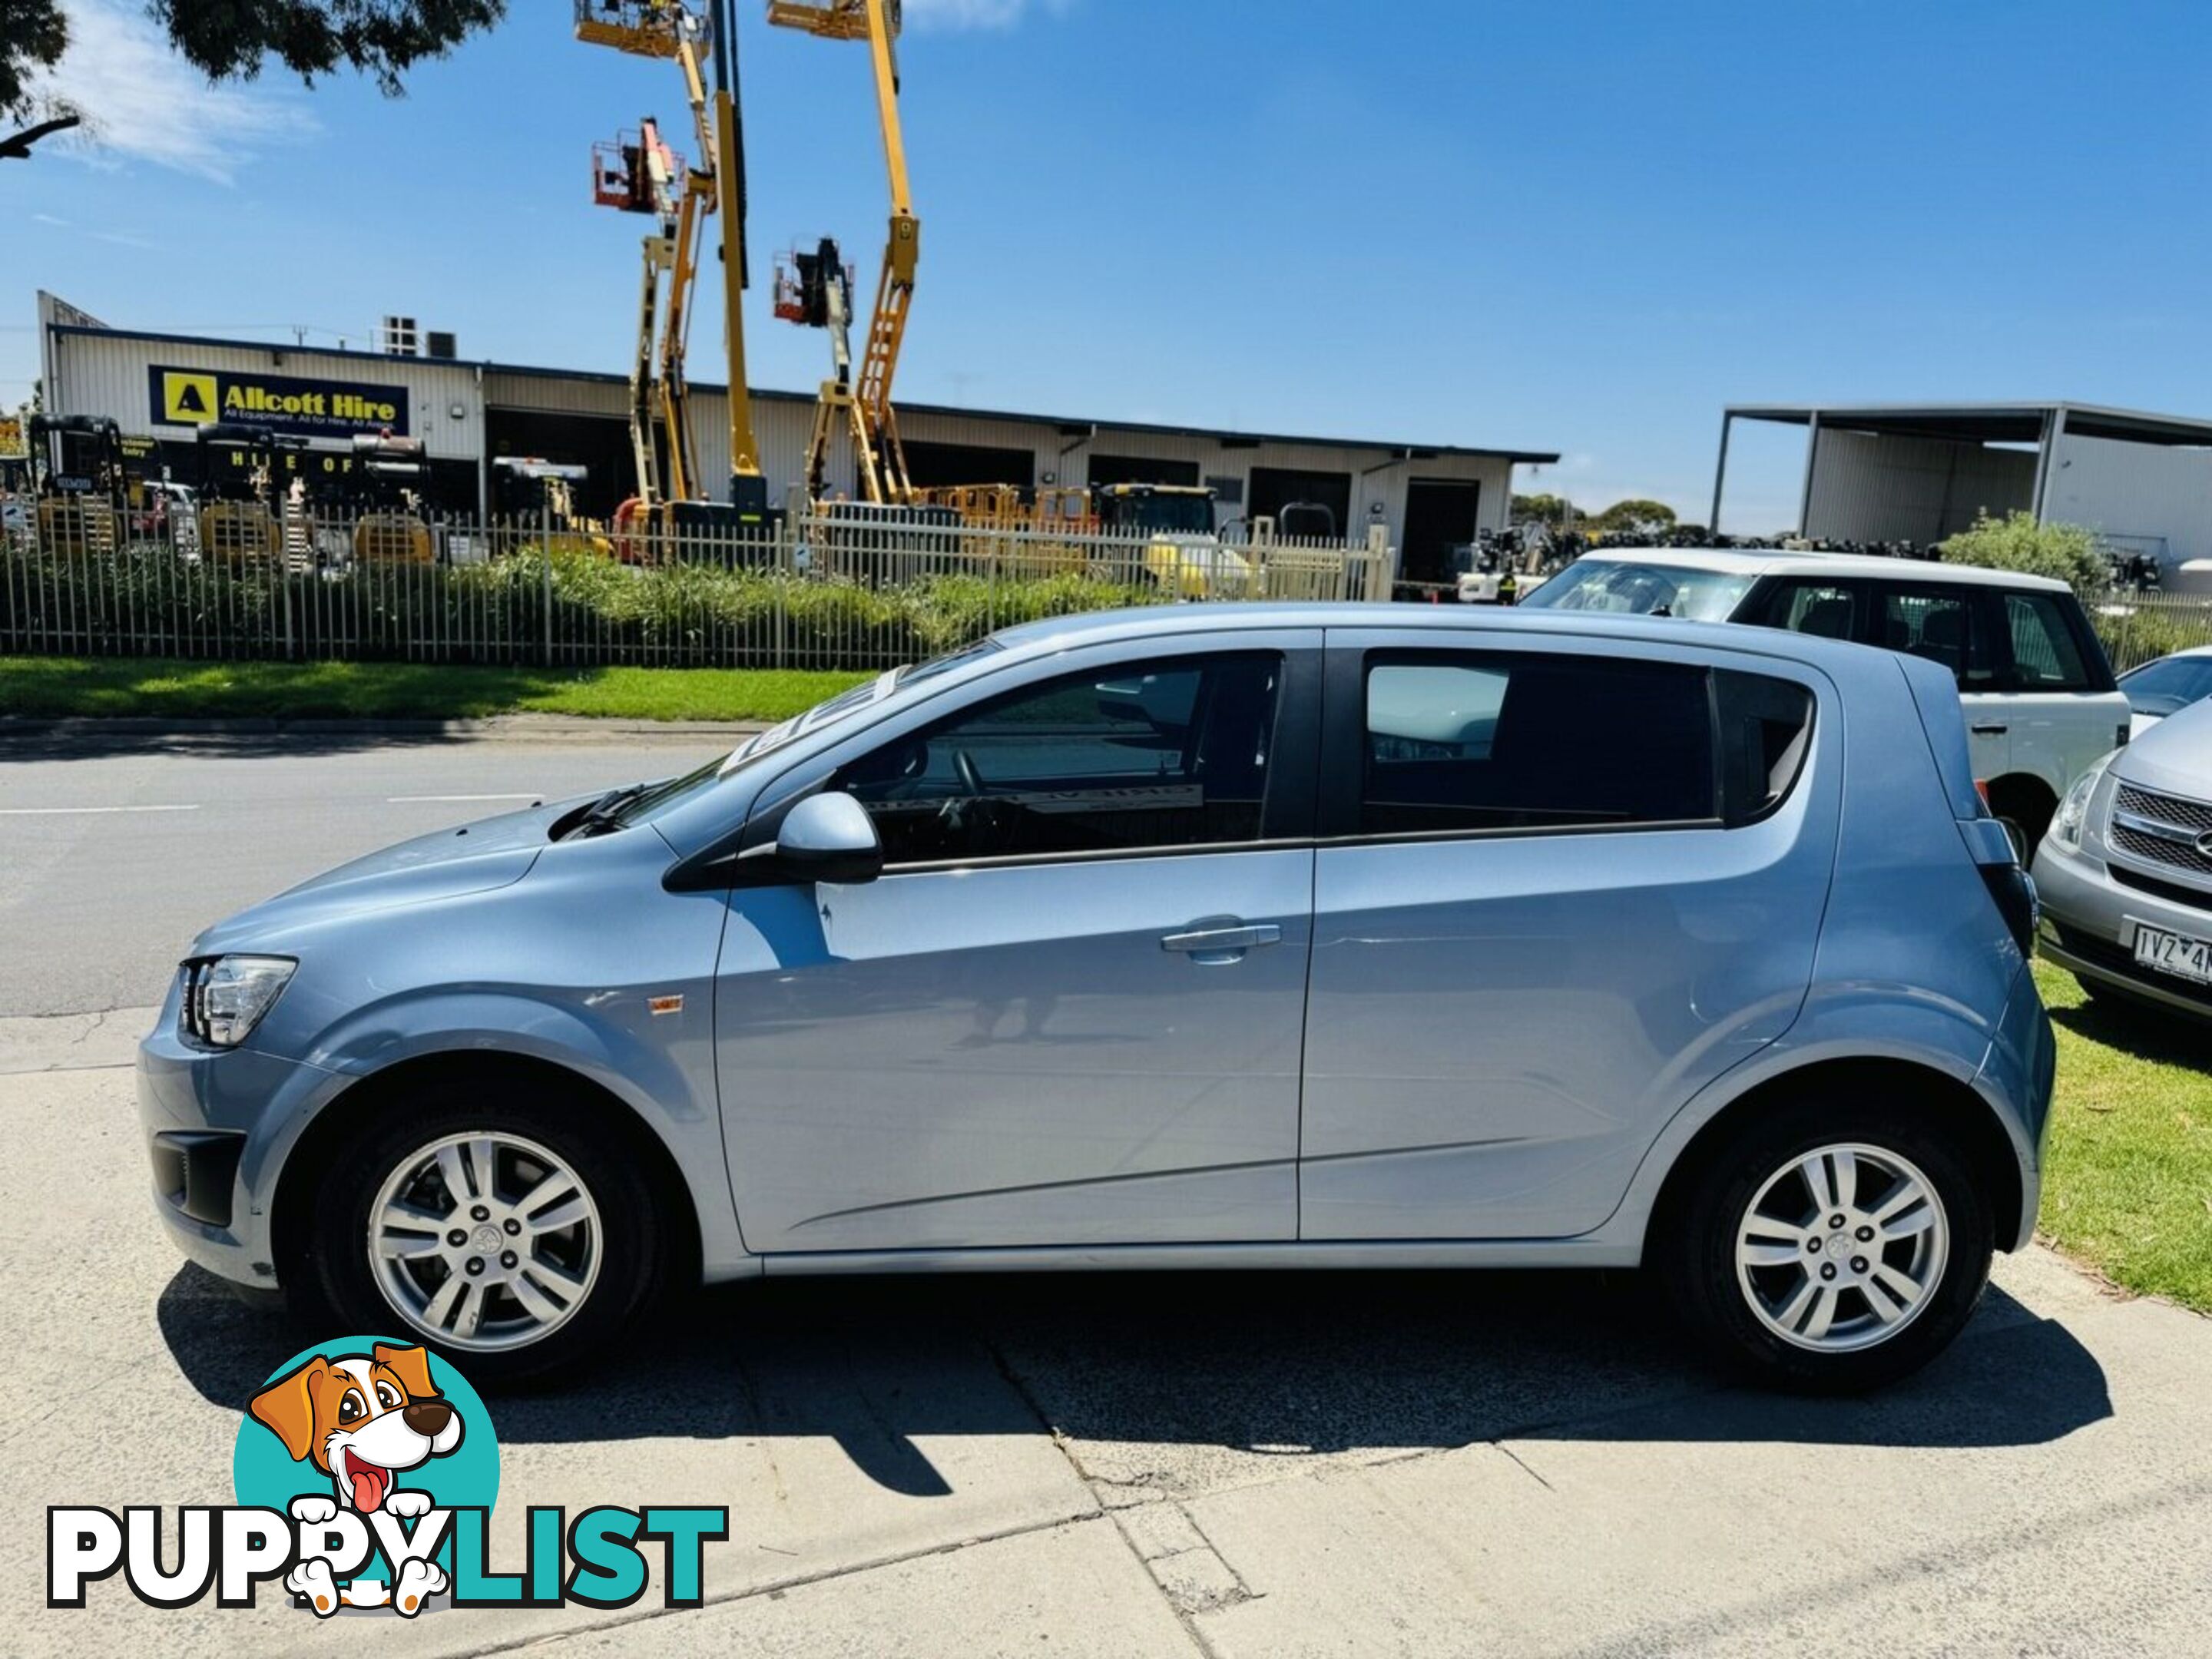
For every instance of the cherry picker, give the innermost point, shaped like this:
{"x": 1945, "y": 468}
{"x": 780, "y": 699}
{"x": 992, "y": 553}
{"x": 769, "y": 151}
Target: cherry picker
{"x": 821, "y": 297}
{"x": 641, "y": 173}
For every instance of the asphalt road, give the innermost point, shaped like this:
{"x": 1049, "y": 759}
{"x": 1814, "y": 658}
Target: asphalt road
{"x": 110, "y": 862}
{"x": 1215, "y": 1465}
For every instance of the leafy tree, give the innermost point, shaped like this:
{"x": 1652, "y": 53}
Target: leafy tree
{"x": 2016, "y": 542}
{"x": 1636, "y": 513}
{"x": 381, "y": 39}
{"x": 1554, "y": 510}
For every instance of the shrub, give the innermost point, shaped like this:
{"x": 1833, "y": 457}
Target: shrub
{"x": 2016, "y": 542}
{"x": 2134, "y": 634}
{"x": 590, "y": 609}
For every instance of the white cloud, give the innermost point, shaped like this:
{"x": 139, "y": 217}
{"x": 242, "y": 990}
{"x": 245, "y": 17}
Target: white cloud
{"x": 976, "y": 14}
{"x": 143, "y": 102}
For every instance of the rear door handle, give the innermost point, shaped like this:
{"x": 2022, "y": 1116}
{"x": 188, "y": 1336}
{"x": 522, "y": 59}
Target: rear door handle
{"x": 1220, "y": 944}
{"x": 1991, "y": 729}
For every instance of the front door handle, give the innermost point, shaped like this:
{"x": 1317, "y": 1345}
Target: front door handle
{"x": 1991, "y": 729}
{"x": 1213, "y": 946}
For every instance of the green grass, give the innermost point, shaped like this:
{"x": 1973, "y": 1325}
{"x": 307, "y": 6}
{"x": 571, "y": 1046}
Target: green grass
{"x": 55, "y": 687}
{"x": 2128, "y": 1189}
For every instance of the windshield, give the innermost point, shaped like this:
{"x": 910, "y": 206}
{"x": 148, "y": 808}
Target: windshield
{"x": 1643, "y": 590}
{"x": 827, "y": 712}
{"x": 2168, "y": 687}
{"x": 1177, "y": 515}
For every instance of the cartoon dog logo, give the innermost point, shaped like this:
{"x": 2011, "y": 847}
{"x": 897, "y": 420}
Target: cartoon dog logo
{"x": 362, "y": 1419}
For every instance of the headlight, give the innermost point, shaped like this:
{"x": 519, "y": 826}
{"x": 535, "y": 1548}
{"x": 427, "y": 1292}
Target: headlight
{"x": 2066, "y": 823}
{"x": 225, "y": 997}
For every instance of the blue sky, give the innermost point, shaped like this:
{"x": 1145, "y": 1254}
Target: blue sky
{"x": 1578, "y": 227}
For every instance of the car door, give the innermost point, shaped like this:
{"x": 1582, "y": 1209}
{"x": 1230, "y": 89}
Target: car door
{"x": 1071, "y": 1010}
{"x": 1956, "y": 625}
{"x": 2060, "y": 701}
{"x": 1562, "y": 884}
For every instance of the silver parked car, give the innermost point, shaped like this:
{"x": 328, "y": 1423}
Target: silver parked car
{"x": 1223, "y": 935}
{"x": 2126, "y": 871}
{"x": 2166, "y": 686}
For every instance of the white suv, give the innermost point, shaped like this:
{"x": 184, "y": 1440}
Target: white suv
{"x": 2040, "y": 702}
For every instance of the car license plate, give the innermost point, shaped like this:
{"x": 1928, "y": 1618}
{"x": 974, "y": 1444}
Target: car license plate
{"x": 2174, "y": 953}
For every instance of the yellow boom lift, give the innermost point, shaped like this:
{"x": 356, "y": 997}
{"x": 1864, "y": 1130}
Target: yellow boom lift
{"x": 642, "y": 174}
{"x": 865, "y": 408}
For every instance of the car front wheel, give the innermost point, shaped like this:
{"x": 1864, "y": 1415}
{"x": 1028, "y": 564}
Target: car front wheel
{"x": 1831, "y": 1249}
{"x": 514, "y": 1239}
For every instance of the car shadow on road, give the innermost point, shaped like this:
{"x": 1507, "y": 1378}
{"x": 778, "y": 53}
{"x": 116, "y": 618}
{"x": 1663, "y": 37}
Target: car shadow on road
{"x": 1273, "y": 1364}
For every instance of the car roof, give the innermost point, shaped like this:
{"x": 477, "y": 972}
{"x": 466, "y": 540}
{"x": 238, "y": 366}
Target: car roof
{"x": 1788, "y": 562}
{"x": 1056, "y": 634}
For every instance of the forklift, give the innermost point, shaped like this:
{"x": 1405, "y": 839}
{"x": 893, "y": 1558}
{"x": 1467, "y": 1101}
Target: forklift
{"x": 76, "y": 472}
{"x": 393, "y": 477}
{"x": 238, "y": 518}
{"x": 534, "y": 504}
{"x": 1154, "y": 509}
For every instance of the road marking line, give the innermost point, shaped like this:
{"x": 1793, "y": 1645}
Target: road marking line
{"x": 399, "y": 801}
{"x": 66, "y": 811}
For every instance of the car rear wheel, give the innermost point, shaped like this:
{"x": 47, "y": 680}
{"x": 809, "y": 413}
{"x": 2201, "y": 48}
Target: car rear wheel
{"x": 514, "y": 1239}
{"x": 1831, "y": 1248}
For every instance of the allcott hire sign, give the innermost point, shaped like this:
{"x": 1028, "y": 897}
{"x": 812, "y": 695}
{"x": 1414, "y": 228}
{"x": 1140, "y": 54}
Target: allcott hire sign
{"x": 282, "y": 402}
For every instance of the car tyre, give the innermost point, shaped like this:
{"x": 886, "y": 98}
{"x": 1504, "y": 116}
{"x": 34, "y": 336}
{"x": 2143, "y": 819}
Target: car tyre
{"x": 595, "y": 1271}
{"x": 1741, "y": 1278}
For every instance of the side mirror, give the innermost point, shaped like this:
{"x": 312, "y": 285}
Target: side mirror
{"x": 823, "y": 838}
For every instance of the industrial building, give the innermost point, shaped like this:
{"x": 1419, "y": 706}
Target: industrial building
{"x": 1918, "y": 472}
{"x": 1429, "y": 496}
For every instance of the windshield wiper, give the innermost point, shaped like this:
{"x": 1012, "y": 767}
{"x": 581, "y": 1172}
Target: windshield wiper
{"x": 605, "y": 813}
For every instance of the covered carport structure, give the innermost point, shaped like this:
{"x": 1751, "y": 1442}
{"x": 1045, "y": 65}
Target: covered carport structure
{"x": 1919, "y": 472}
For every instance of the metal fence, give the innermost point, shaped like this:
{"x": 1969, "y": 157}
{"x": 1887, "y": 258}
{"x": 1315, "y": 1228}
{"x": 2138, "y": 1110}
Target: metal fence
{"x": 2140, "y": 627}
{"x": 849, "y": 589}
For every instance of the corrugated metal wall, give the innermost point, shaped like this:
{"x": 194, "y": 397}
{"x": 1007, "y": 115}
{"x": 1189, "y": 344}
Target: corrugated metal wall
{"x": 2130, "y": 491}
{"x": 1872, "y": 488}
{"x": 782, "y": 424}
{"x": 107, "y": 375}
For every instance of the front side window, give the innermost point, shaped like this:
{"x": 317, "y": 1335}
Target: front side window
{"x": 1162, "y": 754}
{"x": 1461, "y": 742}
{"x": 1828, "y": 610}
{"x": 2044, "y": 656}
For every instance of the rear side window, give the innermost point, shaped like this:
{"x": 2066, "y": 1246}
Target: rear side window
{"x": 1945, "y": 625}
{"x": 2044, "y": 656}
{"x": 1459, "y": 742}
{"x": 1765, "y": 728}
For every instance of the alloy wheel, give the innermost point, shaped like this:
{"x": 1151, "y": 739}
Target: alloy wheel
{"x": 1842, "y": 1247}
{"x": 484, "y": 1241}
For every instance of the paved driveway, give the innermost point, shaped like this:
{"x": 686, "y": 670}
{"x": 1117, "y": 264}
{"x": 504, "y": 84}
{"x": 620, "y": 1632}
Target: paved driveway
{"x": 1225, "y": 1464}
{"x": 1228, "y": 1465}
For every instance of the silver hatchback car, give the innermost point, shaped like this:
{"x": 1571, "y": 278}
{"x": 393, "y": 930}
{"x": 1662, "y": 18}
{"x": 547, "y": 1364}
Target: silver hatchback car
{"x": 1222, "y": 936}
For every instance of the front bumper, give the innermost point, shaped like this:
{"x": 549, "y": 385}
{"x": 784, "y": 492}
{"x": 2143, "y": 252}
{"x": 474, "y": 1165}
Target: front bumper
{"x": 2088, "y": 928}
{"x": 217, "y": 1127}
